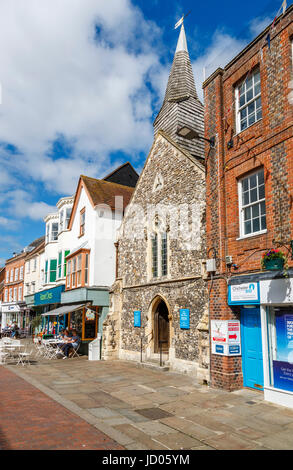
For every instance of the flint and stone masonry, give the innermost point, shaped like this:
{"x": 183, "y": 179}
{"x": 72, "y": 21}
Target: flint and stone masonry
{"x": 182, "y": 185}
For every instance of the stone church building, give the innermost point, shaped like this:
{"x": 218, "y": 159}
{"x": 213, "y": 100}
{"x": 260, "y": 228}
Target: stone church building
{"x": 158, "y": 308}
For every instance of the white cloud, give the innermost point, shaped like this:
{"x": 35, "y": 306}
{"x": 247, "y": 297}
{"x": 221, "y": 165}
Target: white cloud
{"x": 57, "y": 80}
{"x": 223, "y": 47}
{"x": 21, "y": 205}
{"x": 8, "y": 224}
{"x": 257, "y": 25}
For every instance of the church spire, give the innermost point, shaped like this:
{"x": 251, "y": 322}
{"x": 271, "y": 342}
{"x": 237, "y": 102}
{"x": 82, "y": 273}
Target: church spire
{"x": 181, "y": 106}
{"x": 182, "y": 43}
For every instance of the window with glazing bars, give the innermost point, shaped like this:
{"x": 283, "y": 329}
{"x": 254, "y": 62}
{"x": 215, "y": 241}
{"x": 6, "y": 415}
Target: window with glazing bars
{"x": 248, "y": 98}
{"x": 252, "y": 204}
{"x": 164, "y": 253}
{"x": 155, "y": 255}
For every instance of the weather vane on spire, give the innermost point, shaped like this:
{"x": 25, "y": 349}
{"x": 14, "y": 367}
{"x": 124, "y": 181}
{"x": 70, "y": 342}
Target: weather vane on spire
{"x": 180, "y": 22}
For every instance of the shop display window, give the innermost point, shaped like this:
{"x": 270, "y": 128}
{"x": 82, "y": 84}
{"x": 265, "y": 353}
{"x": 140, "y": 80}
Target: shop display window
{"x": 280, "y": 334}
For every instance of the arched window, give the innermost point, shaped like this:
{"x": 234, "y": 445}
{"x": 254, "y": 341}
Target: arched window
{"x": 164, "y": 254}
{"x": 159, "y": 254}
{"x": 155, "y": 254}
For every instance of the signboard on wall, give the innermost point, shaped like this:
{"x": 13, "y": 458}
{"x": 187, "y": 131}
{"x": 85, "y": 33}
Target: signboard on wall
{"x": 49, "y": 296}
{"x": 225, "y": 337}
{"x": 184, "y": 318}
{"x": 137, "y": 319}
{"x": 244, "y": 294}
{"x": 277, "y": 291}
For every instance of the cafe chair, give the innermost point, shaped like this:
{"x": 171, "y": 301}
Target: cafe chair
{"x": 74, "y": 352}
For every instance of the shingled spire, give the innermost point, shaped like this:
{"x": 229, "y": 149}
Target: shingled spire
{"x": 181, "y": 106}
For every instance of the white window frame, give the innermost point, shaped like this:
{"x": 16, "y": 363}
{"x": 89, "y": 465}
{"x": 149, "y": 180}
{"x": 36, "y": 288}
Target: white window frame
{"x": 240, "y": 108}
{"x": 54, "y": 238}
{"x": 20, "y": 293}
{"x": 6, "y": 295}
{"x": 243, "y": 207}
{"x": 21, "y": 273}
{"x": 11, "y": 275}
{"x": 16, "y": 274}
{"x": 7, "y": 275}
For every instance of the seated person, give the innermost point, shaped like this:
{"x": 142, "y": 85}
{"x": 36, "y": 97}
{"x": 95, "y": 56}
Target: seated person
{"x": 15, "y": 331}
{"x": 72, "y": 342}
{"x": 61, "y": 334}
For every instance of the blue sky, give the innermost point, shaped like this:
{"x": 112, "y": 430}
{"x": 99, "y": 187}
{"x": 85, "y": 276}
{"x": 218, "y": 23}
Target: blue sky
{"x": 81, "y": 82}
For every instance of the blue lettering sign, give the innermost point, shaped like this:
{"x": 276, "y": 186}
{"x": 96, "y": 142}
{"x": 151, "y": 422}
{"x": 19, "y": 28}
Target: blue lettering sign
{"x": 219, "y": 349}
{"x": 235, "y": 349}
{"x": 137, "y": 319}
{"x": 185, "y": 318}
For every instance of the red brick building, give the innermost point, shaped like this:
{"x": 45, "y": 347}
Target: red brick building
{"x": 249, "y": 211}
{"x": 2, "y": 281}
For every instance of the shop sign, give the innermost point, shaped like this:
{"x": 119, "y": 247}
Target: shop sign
{"x": 50, "y": 296}
{"x": 276, "y": 291}
{"x": 184, "y": 318}
{"x": 244, "y": 294}
{"x": 137, "y": 319}
{"x": 10, "y": 308}
{"x": 225, "y": 337}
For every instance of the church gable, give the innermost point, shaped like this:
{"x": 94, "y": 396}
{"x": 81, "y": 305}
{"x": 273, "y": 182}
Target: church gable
{"x": 171, "y": 184}
{"x": 166, "y": 174}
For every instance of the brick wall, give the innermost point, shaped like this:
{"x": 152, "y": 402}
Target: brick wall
{"x": 266, "y": 144}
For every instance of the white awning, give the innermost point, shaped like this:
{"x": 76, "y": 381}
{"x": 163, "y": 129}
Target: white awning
{"x": 63, "y": 310}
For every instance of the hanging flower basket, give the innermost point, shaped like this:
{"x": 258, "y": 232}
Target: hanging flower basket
{"x": 273, "y": 260}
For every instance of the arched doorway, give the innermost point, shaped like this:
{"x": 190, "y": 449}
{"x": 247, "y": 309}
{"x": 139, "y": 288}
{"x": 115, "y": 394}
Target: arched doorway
{"x": 161, "y": 327}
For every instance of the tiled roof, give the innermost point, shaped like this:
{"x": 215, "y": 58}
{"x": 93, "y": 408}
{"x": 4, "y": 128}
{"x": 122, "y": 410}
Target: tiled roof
{"x": 181, "y": 106}
{"x": 104, "y": 192}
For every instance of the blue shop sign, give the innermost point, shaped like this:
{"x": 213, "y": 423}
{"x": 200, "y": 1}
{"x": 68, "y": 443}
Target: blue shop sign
{"x": 184, "y": 318}
{"x": 244, "y": 294}
{"x": 50, "y": 296}
{"x": 137, "y": 319}
{"x": 219, "y": 349}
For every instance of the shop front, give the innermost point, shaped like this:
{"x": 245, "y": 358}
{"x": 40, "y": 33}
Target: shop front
{"x": 11, "y": 313}
{"x": 277, "y": 339}
{"x": 244, "y": 298}
{"x": 266, "y": 318}
{"x": 83, "y": 318}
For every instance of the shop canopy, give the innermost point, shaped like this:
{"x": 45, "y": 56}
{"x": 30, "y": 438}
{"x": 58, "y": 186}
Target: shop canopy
{"x": 63, "y": 310}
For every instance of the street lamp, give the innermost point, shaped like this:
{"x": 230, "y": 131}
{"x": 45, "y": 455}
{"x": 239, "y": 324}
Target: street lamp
{"x": 190, "y": 134}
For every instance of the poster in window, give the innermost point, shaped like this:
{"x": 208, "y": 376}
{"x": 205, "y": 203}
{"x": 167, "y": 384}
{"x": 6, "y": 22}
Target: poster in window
{"x": 283, "y": 362}
{"x": 90, "y": 315}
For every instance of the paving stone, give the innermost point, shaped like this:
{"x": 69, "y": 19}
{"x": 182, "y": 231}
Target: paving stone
{"x": 154, "y": 428}
{"x": 141, "y": 437}
{"x": 132, "y": 415}
{"x": 189, "y": 428}
{"x": 279, "y": 441}
{"x": 250, "y": 433}
{"x": 178, "y": 441}
{"x": 103, "y": 412}
{"x": 229, "y": 442}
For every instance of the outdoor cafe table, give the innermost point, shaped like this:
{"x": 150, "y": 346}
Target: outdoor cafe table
{"x": 10, "y": 348}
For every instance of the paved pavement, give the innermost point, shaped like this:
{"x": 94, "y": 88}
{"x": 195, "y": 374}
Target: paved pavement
{"x": 140, "y": 408}
{"x": 30, "y": 420}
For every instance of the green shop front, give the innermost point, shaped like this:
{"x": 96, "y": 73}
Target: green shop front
{"x": 45, "y": 301}
{"x": 81, "y": 309}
